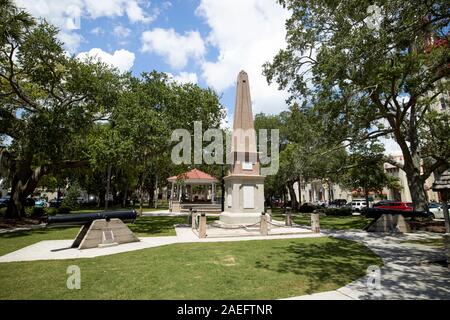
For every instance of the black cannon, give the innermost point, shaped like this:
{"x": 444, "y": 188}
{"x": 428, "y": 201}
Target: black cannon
{"x": 99, "y": 229}
{"x": 127, "y": 216}
{"x": 386, "y": 220}
{"x": 378, "y": 212}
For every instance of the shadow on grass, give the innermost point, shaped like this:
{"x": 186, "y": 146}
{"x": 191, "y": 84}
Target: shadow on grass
{"x": 156, "y": 225}
{"x": 330, "y": 262}
{"x": 329, "y": 222}
{"x": 34, "y": 232}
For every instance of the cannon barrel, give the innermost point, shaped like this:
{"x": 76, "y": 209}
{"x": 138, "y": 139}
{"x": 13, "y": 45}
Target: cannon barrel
{"x": 377, "y": 212}
{"x": 127, "y": 216}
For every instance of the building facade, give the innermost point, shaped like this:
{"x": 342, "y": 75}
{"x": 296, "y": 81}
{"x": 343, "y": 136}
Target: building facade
{"x": 403, "y": 193}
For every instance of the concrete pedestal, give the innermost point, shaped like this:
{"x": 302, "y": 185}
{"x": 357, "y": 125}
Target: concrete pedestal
{"x": 244, "y": 199}
{"x": 240, "y": 218}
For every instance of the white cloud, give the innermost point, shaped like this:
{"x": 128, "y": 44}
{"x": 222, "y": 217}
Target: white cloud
{"x": 121, "y": 59}
{"x": 97, "y": 31}
{"x": 111, "y": 8}
{"x": 71, "y": 40}
{"x": 121, "y": 32}
{"x": 136, "y": 14}
{"x": 247, "y": 34}
{"x": 176, "y": 49}
{"x": 184, "y": 77}
{"x": 101, "y": 8}
{"x": 391, "y": 147}
{"x": 67, "y": 14}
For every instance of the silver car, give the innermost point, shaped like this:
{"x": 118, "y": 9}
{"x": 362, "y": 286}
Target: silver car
{"x": 436, "y": 210}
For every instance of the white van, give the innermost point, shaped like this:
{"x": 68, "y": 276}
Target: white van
{"x": 358, "y": 204}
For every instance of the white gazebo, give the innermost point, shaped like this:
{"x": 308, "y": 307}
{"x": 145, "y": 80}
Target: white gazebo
{"x": 184, "y": 183}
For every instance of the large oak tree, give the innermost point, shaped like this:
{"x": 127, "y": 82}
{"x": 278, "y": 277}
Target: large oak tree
{"x": 48, "y": 103}
{"x": 372, "y": 69}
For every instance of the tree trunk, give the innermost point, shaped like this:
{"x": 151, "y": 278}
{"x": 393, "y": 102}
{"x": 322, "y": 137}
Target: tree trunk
{"x": 445, "y": 198}
{"x": 412, "y": 167}
{"x": 299, "y": 192}
{"x": 156, "y": 192}
{"x": 366, "y": 194}
{"x": 108, "y": 184}
{"x": 416, "y": 187}
{"x": 125, "y": 195}
{"x": 22, "y": 185}
{"x": 141, "y": 200}
{"x": 16, "y": 209}
{"x": 293, "y": 197}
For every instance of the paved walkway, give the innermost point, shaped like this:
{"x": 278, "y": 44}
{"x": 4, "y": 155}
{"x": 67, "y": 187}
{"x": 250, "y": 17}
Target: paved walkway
{"x": 60, "y": 249}
{"x": 403, "y": 276}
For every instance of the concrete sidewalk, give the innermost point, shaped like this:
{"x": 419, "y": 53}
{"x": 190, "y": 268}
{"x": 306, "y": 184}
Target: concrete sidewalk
{"x": 44, "y": 250}
{"x": 403, "y": 276}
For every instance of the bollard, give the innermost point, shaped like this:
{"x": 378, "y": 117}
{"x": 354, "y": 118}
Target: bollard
{"x": 447, "y": 247}
{"x": 263, "y": 228}
{"x": 288, "y": 220}
{"x": 202, "y": 226}
{"x": 194, "y": 219}
{"x": 189, "y": 218}
{"x": 315, "y": 222}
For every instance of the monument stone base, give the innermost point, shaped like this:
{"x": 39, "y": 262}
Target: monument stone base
{"x": 240, "y": 218}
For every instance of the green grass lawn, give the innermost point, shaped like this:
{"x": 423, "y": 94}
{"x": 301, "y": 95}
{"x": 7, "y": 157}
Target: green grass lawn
{"x": 266, "y": 269}
{"x": 328, "y": 222}
{"x": 95, "y": 209}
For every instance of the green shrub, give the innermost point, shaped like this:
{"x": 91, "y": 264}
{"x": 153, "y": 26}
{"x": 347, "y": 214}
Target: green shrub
{"x": 307, "y": 208}
{"x": 51, "y": 211}
{"x": 2, "y": 212}
{"x": 71, "y": 199}
{"x": 28, "y": 211}
{"x": 34, "y": 211}
{"x": 338, "y": 212}
{"x": 37, "y": 212}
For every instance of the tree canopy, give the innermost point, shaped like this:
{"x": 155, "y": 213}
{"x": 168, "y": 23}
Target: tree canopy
{"x": 58, "y": 112}
{"x": 368, "y": 74}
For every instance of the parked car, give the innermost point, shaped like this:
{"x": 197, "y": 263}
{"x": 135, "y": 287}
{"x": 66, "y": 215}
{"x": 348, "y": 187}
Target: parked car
{"x": 381, "y": 203}
{"x": 337, "y": 203}
{"x": 277, "y": 203}
{"x": 394, "y": 205}
{"x": 436, "y": 210}
{"x": 4, "y": 202}
{"x": 358, "y": 205}
{"x": 54, "y": 203}
{"x": 307, "y": 207}
{"x": 376, "y": 212}
{"x": 40, "y": 203}
{"x": 29, "y": 202}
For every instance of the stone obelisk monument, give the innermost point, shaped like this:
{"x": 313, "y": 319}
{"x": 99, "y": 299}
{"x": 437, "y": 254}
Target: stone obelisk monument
{"x": 244, "y": 186}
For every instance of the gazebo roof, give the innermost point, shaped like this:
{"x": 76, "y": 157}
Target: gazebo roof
{"x": 193, "y": 176}
{"x": 443, "y": 183}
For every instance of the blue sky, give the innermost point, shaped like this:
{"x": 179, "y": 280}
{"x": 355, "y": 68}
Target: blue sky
{"x": 202, "y": 41}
